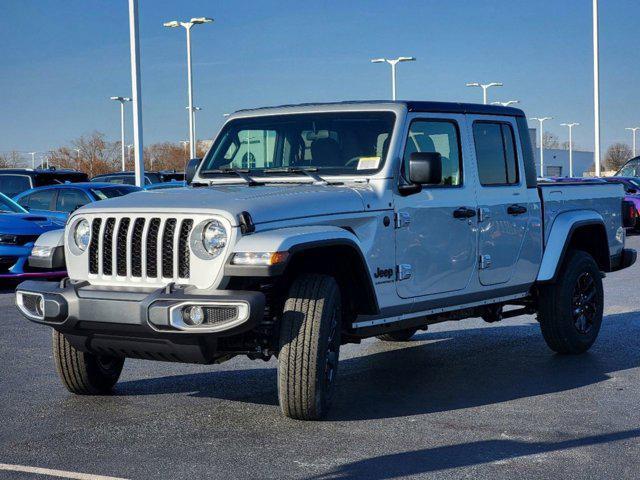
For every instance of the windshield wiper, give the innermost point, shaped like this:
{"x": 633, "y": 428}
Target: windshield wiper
{"x": 241, "y": 173}
{"x": 309, "y": 172}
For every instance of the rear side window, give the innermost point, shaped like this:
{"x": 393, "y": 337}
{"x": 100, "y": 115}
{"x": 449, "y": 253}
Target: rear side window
{"x": 39, "y": 200}
{"x": 495, "y": 153}
{"x": 12, "y": 185}
{"x": 70, "y": 200}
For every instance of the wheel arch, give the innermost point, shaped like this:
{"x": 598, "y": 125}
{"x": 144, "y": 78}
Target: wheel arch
{"x": 329, "y": 250}
{"x": 583, "y": 230}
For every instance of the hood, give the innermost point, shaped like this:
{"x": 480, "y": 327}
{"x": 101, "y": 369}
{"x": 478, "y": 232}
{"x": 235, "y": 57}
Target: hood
{"x": 266, "y": 203}
{"x": 28, "y": 224}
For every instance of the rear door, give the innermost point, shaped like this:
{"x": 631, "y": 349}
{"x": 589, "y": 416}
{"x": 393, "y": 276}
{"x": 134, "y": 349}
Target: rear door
{"x": 504, "y": 208}
{"x": 436, "y": 247}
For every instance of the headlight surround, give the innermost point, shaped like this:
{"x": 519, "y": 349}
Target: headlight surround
{"x": 82, "y": 234}
{"x": 214, "y": 238}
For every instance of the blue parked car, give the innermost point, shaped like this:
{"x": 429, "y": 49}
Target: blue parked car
{"x": 60, "y": 200}
{"x": 165, "y": 185}
{"x": 19, "y": 229}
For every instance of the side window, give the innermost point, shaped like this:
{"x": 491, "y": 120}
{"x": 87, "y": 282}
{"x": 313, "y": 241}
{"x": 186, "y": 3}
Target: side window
{"x": 495, "y": 153}
{"x": 439, "y": 136}
{"x": 12, "y": 185}
{"x": 70, "y": 200}
{"x": 41, "y": 200}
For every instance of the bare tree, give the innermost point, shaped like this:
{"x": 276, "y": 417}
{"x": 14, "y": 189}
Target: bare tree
{"x": 617, "y": 154}
{"x": 11, "y": 159}
{"x": 550, "y": 140}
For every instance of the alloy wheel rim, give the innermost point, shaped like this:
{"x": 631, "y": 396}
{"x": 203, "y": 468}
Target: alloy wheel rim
{"x": 583, "y": 303}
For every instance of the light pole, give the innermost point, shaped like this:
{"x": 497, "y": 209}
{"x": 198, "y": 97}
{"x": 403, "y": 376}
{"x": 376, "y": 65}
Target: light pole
{"x": 570, "y": 126}
{"x": 129, "y": 147}
{"x": 184, "y": 144}
{"x": 33, "y": 160}
{"x": 136, "y": 91}
{"x": 77, "y": 157}
{"x": 195, "y": 134}
{"x": 485, "y": 87}
{"x": 596, "y": 88}
{"x": 541, "y": 120}
{"x": 507, "y": 103}
{"x": 122, "y": 101}
{"x": 633, "y": 132}
{"x": 393, "y": 62}
{"x": 187, "y": 26}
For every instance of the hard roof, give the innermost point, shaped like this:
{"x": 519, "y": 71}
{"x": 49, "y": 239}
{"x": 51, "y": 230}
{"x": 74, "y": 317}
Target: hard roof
{"x": 412, "y": 106}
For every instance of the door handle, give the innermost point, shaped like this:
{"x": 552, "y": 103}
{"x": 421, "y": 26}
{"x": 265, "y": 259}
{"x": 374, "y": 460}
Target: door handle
{"x": 464, "y": 212}
{"x": 516, "y": 209}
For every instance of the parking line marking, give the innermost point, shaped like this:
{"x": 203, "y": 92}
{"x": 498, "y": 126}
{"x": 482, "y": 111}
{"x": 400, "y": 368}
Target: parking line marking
{"x": 55, "y": 473}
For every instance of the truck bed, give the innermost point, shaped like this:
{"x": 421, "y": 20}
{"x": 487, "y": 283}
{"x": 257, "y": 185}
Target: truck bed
{"x": 604, "y": 198}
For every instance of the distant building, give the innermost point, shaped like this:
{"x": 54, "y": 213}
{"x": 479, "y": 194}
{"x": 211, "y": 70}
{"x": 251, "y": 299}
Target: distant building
{"x": 556, "y": 161}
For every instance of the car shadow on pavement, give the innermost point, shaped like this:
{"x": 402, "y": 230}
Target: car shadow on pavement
{"x": 407, "y": 464}
{"x": 441, "y": 371}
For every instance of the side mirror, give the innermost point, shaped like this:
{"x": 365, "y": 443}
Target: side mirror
{"x": 192, "y": 168}
{"x": 632, "y": 191}
{"x": 425, "y": 168}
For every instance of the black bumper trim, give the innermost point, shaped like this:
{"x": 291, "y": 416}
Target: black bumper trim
{"x": 69, "y": 307}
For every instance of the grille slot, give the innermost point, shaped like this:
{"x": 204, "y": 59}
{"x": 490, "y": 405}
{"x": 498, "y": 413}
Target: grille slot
{"x": 121, "y": 252}
{"x": 107, "y": 247}
{"x": 136, "y": 247}
{"x": 183, "y": 249}
{"x": 167, "y": 247}
{"x": 152, "y": 248}
{"x": 93, "y": 246}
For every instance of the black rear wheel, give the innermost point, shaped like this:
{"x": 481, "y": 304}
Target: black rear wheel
{"x": 570, "y": 310}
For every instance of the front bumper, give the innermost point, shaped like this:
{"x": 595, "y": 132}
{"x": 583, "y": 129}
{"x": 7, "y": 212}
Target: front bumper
{"x": 145, "y": 323}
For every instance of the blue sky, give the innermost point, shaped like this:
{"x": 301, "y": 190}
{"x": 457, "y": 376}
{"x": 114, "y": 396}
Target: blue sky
{"x": 61, "y": 60}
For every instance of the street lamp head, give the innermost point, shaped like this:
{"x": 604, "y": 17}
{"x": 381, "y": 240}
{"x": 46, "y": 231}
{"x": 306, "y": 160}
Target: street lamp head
{"x": 195, "y": 108}
{"x": 121, "y": 99}
{"x": 406, "y": 59}
{"x": 171, "y": 24}
{"x": 378, "y": 60}
{"x": 199, "y": 20}
{"x": 494, "y": 84}
{"x": 574, "y": 124}
{"x": 473, "y": 84}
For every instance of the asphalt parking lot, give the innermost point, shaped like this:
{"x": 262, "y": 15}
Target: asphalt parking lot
{"x": 466, "y": 400}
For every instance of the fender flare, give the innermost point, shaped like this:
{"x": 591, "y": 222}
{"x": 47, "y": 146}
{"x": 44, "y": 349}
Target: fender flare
{"x": 557, "y": 244}
{"x": 295, "y": 241}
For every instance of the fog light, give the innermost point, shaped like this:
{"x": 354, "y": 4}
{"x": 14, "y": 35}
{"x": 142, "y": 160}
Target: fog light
{"x": 193, "y": 315}
{"x": 40, "y": 307}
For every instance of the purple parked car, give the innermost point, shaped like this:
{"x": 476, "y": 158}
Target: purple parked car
{"x": 632, "y": 195}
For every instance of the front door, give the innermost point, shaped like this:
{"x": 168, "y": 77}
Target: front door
{"x": 503, "y": 204}
{"x": 435, "y": 229}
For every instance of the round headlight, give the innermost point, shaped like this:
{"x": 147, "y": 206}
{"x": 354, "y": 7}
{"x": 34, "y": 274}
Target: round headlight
{"x": 82, "y": 234}
{"x": 214, "y": 237}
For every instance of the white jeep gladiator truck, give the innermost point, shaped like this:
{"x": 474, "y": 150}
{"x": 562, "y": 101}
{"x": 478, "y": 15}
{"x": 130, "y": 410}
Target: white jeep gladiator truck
{"x": 307, "y": 227}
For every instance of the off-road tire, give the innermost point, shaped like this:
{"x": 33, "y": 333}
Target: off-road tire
{"x": 398, "y": 336}
{"x": 309, "y": 347}
{"x": 570, "y": 323}
{"x": 84, "y": 373}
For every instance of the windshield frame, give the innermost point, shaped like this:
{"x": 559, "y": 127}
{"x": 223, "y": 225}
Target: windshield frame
{"x": 285, "y": 117}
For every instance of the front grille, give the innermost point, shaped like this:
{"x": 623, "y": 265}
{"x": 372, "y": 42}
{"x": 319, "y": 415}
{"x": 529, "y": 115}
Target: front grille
{"x": 128, "y": 247}
{"x": 215, "y": 315}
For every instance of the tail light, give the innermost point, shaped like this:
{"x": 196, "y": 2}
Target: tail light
{"x": 629, "y": 214}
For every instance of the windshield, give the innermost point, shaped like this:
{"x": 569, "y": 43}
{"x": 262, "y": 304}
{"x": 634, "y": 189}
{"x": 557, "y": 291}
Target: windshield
{"x": 8, "y": 205}
{"x": 332, "y": 143}
{"x": 111, "y": 192}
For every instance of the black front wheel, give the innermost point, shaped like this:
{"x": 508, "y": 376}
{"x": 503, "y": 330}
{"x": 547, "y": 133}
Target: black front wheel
{"x": 84, "y": 373}
{"x": 309, "y": 347}
{"x": 570, "y": 310}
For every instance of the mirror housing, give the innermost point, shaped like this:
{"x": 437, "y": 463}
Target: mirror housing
{"x": 632, "y": 191}
{"x": 192, "y": 168}
{"x": 425, "y": 168}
